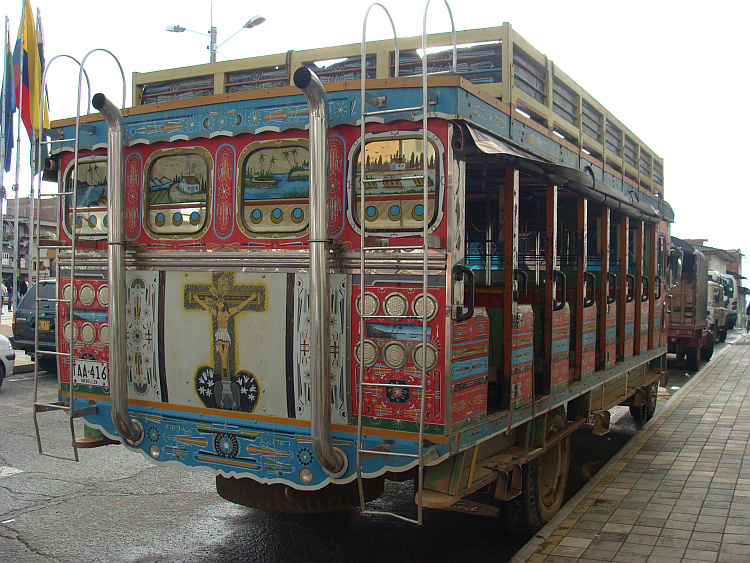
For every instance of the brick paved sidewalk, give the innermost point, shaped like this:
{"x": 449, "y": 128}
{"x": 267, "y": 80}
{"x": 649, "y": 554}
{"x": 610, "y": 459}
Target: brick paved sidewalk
{"x": 681, "y": 492}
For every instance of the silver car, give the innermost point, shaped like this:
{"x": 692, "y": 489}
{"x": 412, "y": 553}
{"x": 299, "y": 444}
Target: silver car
{"x": 7, "y": 358}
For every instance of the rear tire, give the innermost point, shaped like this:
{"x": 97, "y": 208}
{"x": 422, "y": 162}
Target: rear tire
{"x": 544, "y": 482}
{"x": 2, "y": 374}
{"x": 708, "y": 350}
{"x": 691, "y": 356}
{"x": 723, "y": 334}
{"x": 283, "y": 499}
{"x": 47, "y": 363}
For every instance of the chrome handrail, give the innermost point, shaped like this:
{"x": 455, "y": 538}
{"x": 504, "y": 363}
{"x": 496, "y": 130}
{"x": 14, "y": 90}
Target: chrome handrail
{"x": 331, "y": 459}
{"x": 129, "y": 428}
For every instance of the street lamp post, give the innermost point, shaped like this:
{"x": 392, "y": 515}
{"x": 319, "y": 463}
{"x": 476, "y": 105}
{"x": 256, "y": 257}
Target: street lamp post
{"x": 212, "y": 46}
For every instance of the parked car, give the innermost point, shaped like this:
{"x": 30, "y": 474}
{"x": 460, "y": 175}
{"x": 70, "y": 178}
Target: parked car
{"x": 24, "y": 324}
{"x": 7, "y": 358}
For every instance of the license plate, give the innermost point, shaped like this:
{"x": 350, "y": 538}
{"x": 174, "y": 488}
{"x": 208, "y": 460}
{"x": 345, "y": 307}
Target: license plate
{"x": 91, "y": 372}
{"x": 43, "y": 325}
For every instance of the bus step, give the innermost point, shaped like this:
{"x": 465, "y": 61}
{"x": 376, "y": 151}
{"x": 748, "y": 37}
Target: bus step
{"x": 61, "y": 406}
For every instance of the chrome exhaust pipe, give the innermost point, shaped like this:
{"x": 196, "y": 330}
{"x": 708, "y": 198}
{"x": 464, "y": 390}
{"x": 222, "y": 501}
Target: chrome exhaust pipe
{"x": 130, "y": 429}
{"x": 331, "y": 459}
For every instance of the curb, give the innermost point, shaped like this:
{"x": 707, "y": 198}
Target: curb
{"x": 23, "y": 368}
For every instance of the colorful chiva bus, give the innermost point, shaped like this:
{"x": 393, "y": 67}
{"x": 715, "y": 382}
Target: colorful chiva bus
{"x": 307, "y": 306}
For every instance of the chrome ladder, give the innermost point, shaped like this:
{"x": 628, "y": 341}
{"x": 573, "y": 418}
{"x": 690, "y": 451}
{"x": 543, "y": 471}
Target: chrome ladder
{"x": 366, "y": 252}
{"x": 64, "y": 404}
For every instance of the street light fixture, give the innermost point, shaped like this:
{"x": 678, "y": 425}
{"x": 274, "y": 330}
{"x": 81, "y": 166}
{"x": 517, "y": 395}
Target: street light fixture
{"x": 256, "y": 20}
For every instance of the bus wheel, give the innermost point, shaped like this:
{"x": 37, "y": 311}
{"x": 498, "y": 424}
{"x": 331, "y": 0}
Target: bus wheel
{"x": 283, "y": 499}
{"x": 544, "y": 481}
{"x": 646, "y": 411}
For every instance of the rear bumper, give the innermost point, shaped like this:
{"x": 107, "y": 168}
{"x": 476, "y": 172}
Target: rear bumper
{"x": 28, "y": 345}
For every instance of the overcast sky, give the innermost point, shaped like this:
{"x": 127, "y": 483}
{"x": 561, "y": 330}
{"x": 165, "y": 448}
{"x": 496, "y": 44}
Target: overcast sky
{"x": 673, "y": 73}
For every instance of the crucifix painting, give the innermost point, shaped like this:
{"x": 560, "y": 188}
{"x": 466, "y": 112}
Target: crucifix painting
{"x": 223, "y": 385}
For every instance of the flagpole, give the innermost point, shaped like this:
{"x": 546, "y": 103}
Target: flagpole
{"x": 36, "y": 202}
{"x": 2, "y": 151}
{"x": 16, "y": 255}
{"x": 35, "y": 150}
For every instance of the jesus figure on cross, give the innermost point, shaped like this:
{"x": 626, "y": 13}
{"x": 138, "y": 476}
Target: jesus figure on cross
{"x": 222, "y": 313}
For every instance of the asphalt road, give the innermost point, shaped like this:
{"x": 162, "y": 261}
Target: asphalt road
{"x": 117, "y": 506}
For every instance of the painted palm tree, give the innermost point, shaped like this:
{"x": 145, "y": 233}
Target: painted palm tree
{"x": 261, "y": 159}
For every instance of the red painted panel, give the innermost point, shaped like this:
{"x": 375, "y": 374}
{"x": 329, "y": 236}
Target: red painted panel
{"x": 336, "y": 183}
{"x": 644, "y": 325}
{"x": 522, "y": 359}
{"x": 469, "y": 402}
{"x": 225, "y": 172}
{"x": 629, "y": 329}
{"x": 96, "y": 350}
{"x": 133, "y": 190}
{"x": 588, "y": 362}
{"x": 561, "y": 373}
{"x": 386, "y": 400}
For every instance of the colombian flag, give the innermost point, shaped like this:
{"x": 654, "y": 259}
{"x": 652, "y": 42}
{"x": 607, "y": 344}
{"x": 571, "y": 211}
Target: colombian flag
{"x": 29, "y": 87}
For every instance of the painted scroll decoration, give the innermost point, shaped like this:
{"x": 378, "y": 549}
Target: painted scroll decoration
{"x": 142, "y": 336}
{"x": 301, "y": 361}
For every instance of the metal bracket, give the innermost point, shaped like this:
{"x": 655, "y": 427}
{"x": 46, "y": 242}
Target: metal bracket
{"x": 517, "y": 320}
{"x": 639, "y": 399}
{"x": 601, "y": 422}
{"x": 376, "y": 101}
{"x": 430, "y": 455}
{"x": 375, "y": 451}
{"x": 474, "y": 508}
{"x": 432, "y": 96}
{"x": 509, "y": 483}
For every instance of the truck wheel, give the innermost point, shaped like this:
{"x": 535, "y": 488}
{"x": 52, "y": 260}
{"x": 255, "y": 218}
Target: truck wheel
{"x": 645, "y": 412}
{"x": 723, "y": 334}
{"x": 691, "y": 356}
{"x": 708, "y": 350}
{"x": 283, "y": 499}
{"x": 543, "y": 487}
{"x": 47, "y": 363}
